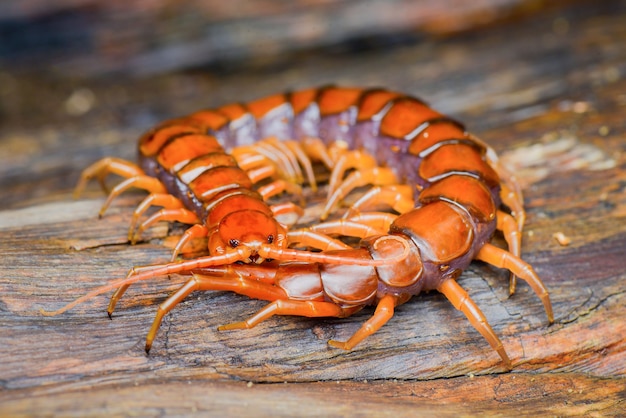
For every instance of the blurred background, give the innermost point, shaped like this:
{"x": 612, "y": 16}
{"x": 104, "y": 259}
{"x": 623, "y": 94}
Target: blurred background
{"x": 143, "y": 37}
{"x": 43, "y": 43}
{"x": 80, "y": 79}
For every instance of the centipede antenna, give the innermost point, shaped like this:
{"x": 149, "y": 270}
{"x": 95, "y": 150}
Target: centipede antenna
{"x": 159, "y": 270}
{"x": 306, "y": 256}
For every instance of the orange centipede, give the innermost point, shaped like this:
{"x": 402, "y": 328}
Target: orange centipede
{"x": 218, "y": 169}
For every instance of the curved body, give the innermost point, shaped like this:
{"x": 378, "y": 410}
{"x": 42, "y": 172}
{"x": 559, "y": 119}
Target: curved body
{"x": 446, "y": 185}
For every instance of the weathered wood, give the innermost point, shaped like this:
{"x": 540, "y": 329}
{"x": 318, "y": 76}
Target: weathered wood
{"x": 54, "y": 249}
{"x": 501, "y": 395}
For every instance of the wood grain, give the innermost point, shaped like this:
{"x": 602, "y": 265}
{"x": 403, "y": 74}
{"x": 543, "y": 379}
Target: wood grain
{"x": 554, "y": 110}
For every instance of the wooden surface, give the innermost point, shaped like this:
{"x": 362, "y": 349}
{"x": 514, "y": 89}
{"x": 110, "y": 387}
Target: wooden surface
{"x": 548, "y": 93}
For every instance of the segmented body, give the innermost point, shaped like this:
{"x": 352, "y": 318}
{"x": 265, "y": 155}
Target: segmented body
{"x": 448, "y": 212}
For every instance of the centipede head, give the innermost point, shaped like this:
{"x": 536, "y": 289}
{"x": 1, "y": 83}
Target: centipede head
{"x": 251, "y": 229}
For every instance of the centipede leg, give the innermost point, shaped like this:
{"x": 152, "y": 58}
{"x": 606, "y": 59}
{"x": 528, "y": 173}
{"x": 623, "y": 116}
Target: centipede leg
{"x": 283, "y": 162}
{"x": 509, "y": 227}
{"x": 119, "y": 292}
{"x": 511, "y": 195}
{"x": 315, "y": 240}
{"x": 250, "y": 288}
{"x": 461, "y": 301}
{"x": 312, "y": 309}
{"x": 499, "y": 258}
{"x": 513, "y": 199}
{"x": 397, "y": 196}
{"x": 347, "y": 161}
{"x": 287, "y": 213}
{"x": 261, "y": 173}
{"x": 102, "y": 168}
{"x": 305, "y": 162}
{"x": 347, "y": 228}
{"x": 261, "y": 168}
{"x": 278, "y": 186}
{"x": 196, "y": 231}
{"x": 164, "y": 200}
{"x": 510, "y": 189}
{"x": 379, "y": 220}
{"x": 147, "y": 183}
{"x": 179, "y": 215}
{"x": 248, "y": 161}
{"x": 254, "y": 158}
{"x": 317, "y": 236}
{"x": 378, "y": 176}
{"x": 317, "y": 151}
{"x": 383, "y": 313}
{"x": 290, "y": 156}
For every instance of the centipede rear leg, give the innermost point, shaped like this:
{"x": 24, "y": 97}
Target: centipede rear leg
{"x": 513, "y": 237}
{"x": 511, "y": 196}
{"x": 503, "y": 259}
{"x": 462, "y": 301}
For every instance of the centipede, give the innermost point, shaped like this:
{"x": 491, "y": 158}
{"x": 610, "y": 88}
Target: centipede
{"x": 427, "y": 199}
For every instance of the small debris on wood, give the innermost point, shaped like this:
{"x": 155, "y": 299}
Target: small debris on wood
{"x": 562, "y": 239}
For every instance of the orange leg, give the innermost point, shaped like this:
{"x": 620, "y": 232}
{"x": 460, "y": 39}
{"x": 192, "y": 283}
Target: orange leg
{"x": 272, "y": 156}
{"x": 287, "y": 213}
{"x": 510, "y": 189}
{"x": 499, "y": 258}
{"x": 379, "y": 176}
{"x": 382, "y": 314}
{"x": 304, "y": 160}
{"x": 248, "y": 160}
{"x": 317, "y": 151}
{"x": 349, "y": 160}
{"x": 144, "y": 182}
{"x": 397, "y": 196}
{"x": 315, "y": 240}
{"x": 155, "y": 199}
{"x": 347, "y": 228}
{"x": 283, "y": 162}
{"x": 378, "y": 220}
{"x": 461, "y": 300}
{"x": 511, "y": 196}
{"x": 287, "y": 155}
{"x": 261, "y": 173}
{"x": 196, "y": 231}
{"x": 179, "y": 215}
{"x": 102, "y": 168}
{"x": 279, "y": 186}
{"x": 509, "y": 227}
{"x": 317, "y": 236}
{"x": 246, "y": 287}
{"x": 122, "y": 289}
{"x": 312, "y": 309}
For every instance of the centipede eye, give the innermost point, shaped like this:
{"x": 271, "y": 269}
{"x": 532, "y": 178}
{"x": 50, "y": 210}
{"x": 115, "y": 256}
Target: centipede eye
{"x": 270, "y": 239}
{"x": 233, "y": 243}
